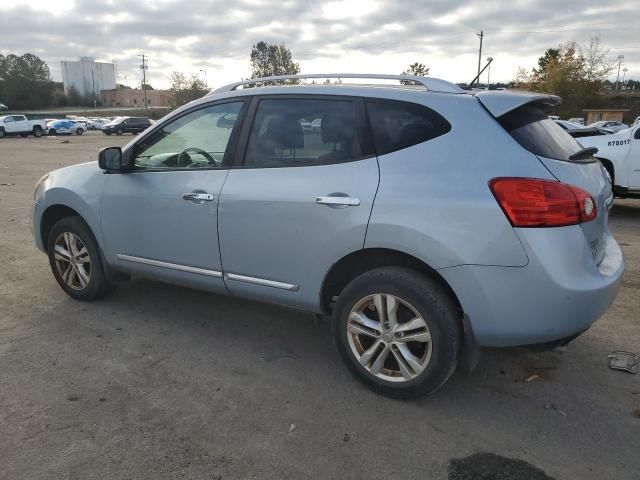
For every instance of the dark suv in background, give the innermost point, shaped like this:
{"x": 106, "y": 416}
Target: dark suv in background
{"x": 122, "y": 125}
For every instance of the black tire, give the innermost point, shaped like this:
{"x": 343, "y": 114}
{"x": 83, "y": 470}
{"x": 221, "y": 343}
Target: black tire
{"x": 79, "y": 131}
{"x": 24, "y": 134}
{"x": 37, "y": 131}
{"x": 98, "y": 284}
{"x": 2, "y": 133}
{"x": 108, "y": 133}
{"x": 119, "y": 132}
{"x": 431, "y": 301}
{"x": 52, "y": 131}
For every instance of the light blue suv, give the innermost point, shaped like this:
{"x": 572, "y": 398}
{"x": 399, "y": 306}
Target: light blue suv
{"x": 426, "y": 220}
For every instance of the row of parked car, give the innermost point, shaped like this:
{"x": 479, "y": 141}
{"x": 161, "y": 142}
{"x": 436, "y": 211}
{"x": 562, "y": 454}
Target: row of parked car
{"x": 72, "y": 125}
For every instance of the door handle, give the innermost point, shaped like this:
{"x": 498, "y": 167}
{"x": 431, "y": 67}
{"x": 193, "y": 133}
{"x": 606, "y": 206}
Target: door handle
{"x": 198, "y": 197}
{"x": 344, "y": 201}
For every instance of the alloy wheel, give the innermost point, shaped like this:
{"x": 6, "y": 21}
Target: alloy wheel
{"x": 389, "y": 338}
{"x": 72, "y": 261}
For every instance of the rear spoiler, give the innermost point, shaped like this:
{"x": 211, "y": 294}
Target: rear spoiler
{"x": 501, "y": 102}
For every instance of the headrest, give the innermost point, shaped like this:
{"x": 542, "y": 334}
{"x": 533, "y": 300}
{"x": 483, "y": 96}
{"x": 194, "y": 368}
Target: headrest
{"x": 285, "y": 132}
{"x": 336, "y": 128}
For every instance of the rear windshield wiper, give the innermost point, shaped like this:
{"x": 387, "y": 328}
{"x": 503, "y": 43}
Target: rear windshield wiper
{"x": 584, "y": 153}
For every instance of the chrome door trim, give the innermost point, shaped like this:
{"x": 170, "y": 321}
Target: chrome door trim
{"x": 331, "y": 200}
{"x": 171, "y": 266}
{"x": 261, "y": 281}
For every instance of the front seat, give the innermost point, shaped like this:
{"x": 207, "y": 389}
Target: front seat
{"x": 339, "y": 130}
{"x": 283, "y": 133}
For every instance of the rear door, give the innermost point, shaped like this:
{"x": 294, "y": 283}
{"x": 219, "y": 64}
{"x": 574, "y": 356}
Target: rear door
{"x": 529, "y": 125}
{"x": 300, "y": 198}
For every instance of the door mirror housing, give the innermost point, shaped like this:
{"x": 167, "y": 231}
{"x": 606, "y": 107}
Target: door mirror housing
{"x": 110, "y": 159}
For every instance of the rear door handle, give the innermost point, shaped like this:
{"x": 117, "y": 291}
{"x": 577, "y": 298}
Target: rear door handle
{"x": 344, "y": 201}
{"x": 198, "y": 197}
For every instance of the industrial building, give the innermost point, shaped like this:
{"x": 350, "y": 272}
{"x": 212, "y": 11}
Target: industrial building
{"x": 134, "y": 97}
{"x": 87, "y": 76}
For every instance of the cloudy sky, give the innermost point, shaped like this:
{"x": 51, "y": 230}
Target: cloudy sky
{"x": 374, "y": 36}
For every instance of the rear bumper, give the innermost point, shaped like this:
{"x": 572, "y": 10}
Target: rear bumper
{"x": 559, "y": 294}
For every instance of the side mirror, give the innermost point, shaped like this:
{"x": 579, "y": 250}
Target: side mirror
{"x": 110, "y": 159}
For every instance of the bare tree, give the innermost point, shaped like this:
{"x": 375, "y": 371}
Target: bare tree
{"x": 597, "y": 63}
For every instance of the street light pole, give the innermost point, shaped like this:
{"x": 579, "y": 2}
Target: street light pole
{"x": 206, "y": 84}
{"x": 481, "y": 35}
{"x": 489, "y": 59}
{"x": 620, "y": 58}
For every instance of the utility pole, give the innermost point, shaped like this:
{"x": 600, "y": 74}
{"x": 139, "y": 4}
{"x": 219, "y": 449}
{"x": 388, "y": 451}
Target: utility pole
{"x": 481, "y": 35}
{"x": 143, "y": 67}
{"x": 624, "y": 74}
{"x": 620, "y": 58}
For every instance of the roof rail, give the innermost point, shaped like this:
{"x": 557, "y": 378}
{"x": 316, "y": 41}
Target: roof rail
{"x": 432, "y": 84}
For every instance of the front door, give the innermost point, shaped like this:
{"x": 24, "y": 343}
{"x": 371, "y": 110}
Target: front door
{"x": 160, "y": 219}
{"x": 300, "y": 200}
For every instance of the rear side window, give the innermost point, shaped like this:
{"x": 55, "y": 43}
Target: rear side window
{"x": 298, "y": 132}
{"x": 530, "y": 126}
{"x": 396, "y": 125}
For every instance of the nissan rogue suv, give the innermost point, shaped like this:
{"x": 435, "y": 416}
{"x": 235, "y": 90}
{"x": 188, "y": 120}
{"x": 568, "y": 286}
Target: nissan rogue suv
{"x": 425, "y": 220}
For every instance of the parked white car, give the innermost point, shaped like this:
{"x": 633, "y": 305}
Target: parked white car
{"x": 610, "y": 125}
{"x": 94, "y": 123}
{"x": 620, "y": 155}
{"x": 19, "y": 125}
{"x": 3, "y": 107}
{"x": 578, "y": 120}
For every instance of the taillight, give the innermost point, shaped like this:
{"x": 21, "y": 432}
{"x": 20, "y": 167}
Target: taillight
{"x": 532, "y": 202}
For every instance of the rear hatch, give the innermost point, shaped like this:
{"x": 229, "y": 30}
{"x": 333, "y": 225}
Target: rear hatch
{"x": 524, "y": 116}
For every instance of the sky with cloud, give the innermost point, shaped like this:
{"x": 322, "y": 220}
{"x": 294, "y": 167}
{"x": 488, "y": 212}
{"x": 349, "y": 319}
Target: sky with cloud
{"x": 375, "y": 36}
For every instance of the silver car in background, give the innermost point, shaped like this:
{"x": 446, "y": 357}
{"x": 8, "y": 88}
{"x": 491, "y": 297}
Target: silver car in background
{"x": 425, "y": 220}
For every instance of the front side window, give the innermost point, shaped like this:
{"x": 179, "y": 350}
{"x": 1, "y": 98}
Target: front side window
{"x": 8, "y": 120}
{"x": 298, "y": 132}
{"x": 396, "y": 125}
{"x": 196, "y": 140}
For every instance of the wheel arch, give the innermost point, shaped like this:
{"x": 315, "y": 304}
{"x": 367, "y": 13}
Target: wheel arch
{"x": 356, "y": 263}
{"x": 54, "y": 214}
{"x": 608, "y": 164}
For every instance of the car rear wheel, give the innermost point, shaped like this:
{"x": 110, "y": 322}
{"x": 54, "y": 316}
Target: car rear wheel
{"x": 52, "y": 131}
{"x": 37, "y": 132}
{"x": 119, "y": 132}
{"x": 75, "y": 260}
{"x": 2, "y": 133}
{"x": 398, "y": 331}
{"x": 79, "y": 131}
{"x": 24, "y": 134}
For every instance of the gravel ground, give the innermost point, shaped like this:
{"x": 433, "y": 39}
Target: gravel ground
{"x": 160, "y": 382}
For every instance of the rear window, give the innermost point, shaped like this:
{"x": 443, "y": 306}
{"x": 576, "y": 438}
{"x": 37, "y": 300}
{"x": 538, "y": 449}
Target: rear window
{"x": 530, "y": 126}
{"x": 396, "y": 125}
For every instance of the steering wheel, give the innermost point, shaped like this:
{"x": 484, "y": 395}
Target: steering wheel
{"x": 194, "y": 150}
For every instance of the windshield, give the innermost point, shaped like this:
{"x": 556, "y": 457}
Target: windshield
{"x": 117, "y": 120}
{"x": 530, "y": 126}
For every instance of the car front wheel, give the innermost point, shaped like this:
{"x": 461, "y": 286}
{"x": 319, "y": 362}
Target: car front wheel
{"x": 398, "y": 331}
{"x": 75, "y": 260}
{"x": 79, "y": 131}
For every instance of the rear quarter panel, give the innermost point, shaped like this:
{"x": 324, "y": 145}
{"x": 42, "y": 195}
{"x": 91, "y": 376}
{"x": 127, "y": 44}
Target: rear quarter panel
{"x": 434, "y": 201}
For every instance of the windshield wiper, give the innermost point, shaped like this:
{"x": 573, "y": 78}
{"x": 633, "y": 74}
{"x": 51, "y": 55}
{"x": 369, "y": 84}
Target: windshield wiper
{"x": 584, "y": 153}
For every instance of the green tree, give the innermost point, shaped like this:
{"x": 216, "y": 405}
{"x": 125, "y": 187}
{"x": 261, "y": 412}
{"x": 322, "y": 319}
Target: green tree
{"x": 573, "y": 73}
{"x": 186, "y": 89}
{"x": 271, "y": 60}
{"x": 25, "y": 81}
{"x": 416, "y": 69}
